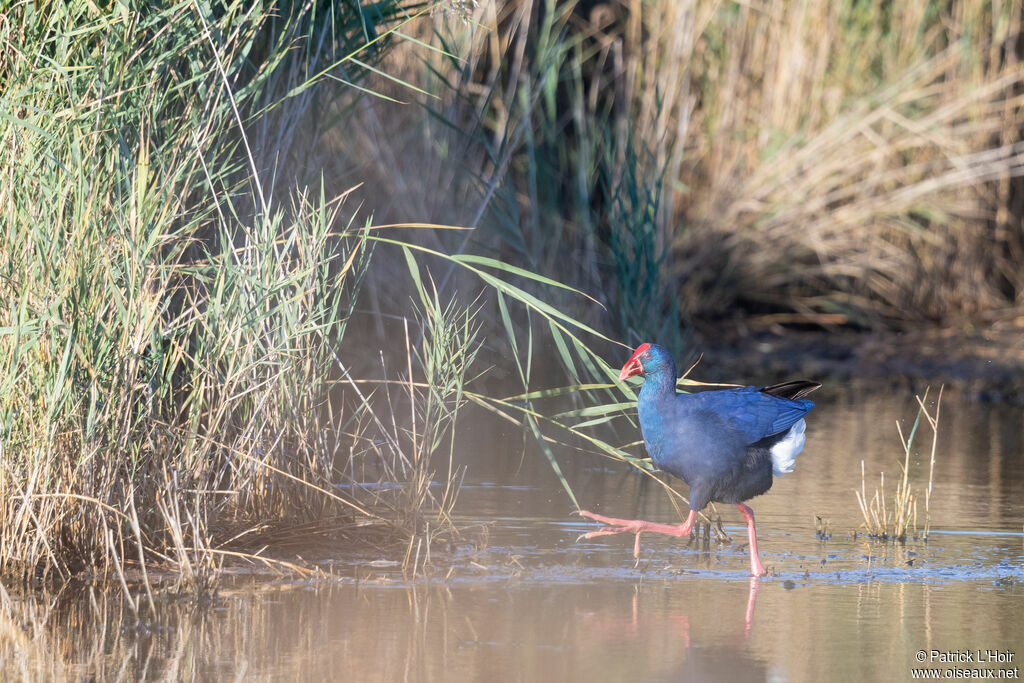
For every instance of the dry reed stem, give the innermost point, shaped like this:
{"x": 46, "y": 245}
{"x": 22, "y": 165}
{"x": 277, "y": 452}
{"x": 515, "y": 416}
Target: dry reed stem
{"x": 901, "y": 520}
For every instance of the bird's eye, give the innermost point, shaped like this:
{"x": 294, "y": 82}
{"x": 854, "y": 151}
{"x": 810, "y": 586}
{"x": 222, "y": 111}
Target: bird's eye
{"x": 647, "y": 356}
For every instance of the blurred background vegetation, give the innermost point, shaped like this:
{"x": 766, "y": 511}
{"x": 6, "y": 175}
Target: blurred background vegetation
{"x": 193, "y": 194}
{"x": 827, "y": 165}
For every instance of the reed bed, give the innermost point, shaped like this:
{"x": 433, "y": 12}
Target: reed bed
{"x": 178, "y": 391}
{"x": 172, "y": 334}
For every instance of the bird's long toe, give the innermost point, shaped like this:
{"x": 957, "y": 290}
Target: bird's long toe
{"x": 610, "y": 530}
{"x": 610, "y": 521}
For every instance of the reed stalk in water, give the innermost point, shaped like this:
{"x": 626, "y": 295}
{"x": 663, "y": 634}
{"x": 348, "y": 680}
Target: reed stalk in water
{"x": 897, "y": 522}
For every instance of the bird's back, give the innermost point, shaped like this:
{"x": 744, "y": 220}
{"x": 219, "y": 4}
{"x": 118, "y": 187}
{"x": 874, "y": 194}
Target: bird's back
{"x": 752, "y": 412}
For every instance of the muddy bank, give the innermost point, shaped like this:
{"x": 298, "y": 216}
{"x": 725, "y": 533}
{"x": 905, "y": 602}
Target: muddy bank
{"x": 985, "y": 363}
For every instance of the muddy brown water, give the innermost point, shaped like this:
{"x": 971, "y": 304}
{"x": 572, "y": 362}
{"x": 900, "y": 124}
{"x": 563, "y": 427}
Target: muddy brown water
{"x": 524, "y": 601}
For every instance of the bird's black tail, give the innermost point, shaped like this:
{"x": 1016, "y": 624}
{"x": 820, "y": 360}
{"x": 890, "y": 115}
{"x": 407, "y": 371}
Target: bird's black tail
{"x": 793, "y": 389}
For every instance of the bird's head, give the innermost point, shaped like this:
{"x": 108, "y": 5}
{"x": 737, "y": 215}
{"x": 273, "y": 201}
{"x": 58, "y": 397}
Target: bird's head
{"x": 648, "y": 359}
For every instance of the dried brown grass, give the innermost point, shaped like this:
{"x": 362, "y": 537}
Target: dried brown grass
{"x": 839, "y": 163}
{"x": 898, "y": 521}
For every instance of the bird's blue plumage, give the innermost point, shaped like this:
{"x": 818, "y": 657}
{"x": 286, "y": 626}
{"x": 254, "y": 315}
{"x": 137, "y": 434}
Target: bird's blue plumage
{"x": 719, "y": 442}
{"x": 749, "y": 410}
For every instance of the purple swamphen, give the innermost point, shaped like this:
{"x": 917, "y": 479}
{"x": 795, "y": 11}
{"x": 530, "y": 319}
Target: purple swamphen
{"x": 726, "y": 444}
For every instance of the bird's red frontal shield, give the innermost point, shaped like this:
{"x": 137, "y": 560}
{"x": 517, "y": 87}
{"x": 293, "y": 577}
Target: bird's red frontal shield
{"x": 632, "y": 366}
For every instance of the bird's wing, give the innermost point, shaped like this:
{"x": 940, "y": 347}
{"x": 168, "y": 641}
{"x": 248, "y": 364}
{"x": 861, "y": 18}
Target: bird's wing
{"x": 755, "y": 414}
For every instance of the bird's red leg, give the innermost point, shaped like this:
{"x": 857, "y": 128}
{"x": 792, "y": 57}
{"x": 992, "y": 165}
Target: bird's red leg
{"x": 637, "y": 526}
{"x": 756, "y": 568}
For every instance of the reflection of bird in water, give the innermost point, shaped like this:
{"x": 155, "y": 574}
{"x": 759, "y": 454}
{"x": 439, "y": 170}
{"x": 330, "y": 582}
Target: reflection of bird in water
{"x": 725, "y": 444}
{"x": 675, "y": 626}
{"x": 700, "y": 662}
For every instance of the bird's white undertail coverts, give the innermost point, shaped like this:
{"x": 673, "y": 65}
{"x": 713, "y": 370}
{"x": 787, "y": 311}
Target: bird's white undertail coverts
{"x": 785, "y": 451}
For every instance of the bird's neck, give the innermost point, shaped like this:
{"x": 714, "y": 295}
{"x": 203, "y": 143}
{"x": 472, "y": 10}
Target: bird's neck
{"x": 655, "y": 408}
{"x": 658, "y": 387}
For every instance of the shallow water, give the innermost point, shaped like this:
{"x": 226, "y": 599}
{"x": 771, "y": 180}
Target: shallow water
{"x": 517, "y": 598}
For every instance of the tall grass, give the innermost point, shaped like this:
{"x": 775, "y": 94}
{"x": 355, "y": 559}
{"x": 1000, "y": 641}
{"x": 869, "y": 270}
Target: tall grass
{"x": 173, "y": 318}
{"x": 177, "y": 388}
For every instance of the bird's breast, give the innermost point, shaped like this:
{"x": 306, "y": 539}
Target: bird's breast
{"x": 663, "y": 435}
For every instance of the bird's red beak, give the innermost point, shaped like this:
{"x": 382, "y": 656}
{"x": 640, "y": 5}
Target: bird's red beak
{"x": 632, "y": 366}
